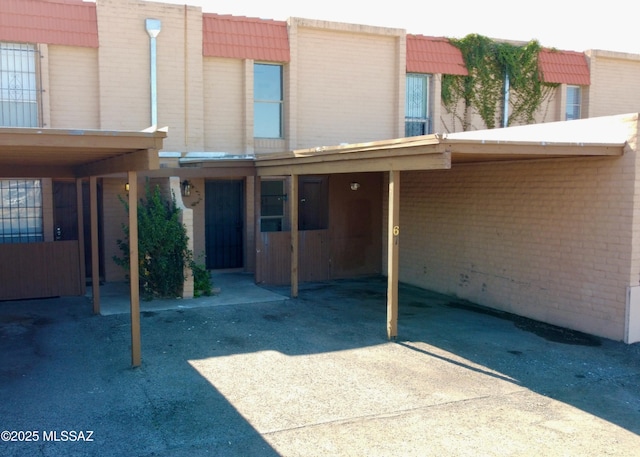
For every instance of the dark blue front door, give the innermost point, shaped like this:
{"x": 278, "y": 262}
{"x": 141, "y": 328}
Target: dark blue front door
{"x": 224, "y": 224}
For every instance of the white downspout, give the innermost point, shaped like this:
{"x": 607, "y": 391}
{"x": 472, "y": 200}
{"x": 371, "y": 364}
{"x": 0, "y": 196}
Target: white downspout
{"x": 505, "y": 113}
{"x": 153, "y": 27}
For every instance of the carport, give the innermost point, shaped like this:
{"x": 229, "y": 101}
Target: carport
{"x": 74, "y": 154}
{"x": 588, "y": 138}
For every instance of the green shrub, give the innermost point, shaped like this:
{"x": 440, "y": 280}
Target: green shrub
{"x": 163, "y": 251}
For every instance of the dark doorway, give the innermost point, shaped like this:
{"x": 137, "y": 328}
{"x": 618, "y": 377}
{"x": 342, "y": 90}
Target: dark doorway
{"x": 65, "y": 217}
{"x": 224, "y": 223}
{"x": 313, "y": 210}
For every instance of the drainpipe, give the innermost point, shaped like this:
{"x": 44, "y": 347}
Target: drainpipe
{"x": 505, "y": 113}
{"x": 153, "y": 27}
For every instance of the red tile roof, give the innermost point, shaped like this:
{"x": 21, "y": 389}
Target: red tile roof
{"x": 565, "y": 67}
{"x": 242, "y": 37}
{"x": 64, "y": 22}
{"x": 433, "y": 55}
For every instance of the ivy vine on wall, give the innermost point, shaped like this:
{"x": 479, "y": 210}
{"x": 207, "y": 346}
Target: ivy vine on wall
{"x": 489, "y": 62}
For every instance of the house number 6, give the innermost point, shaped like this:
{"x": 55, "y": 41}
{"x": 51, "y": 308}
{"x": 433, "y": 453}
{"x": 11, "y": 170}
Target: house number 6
{"x": 396, "y": 230}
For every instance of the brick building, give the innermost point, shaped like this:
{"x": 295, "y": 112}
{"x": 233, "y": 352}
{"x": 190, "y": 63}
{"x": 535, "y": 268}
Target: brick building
{"x": 346, "y": 121}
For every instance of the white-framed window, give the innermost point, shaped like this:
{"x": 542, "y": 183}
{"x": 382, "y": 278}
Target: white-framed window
{"x": 272, "y": 201}
{"x": 19, "y": 76}
{"x": 268, "y": 101}
{"x": 574, "y": 103}
{"x": 21, "y": 211}
{"x": 417, "y": 117}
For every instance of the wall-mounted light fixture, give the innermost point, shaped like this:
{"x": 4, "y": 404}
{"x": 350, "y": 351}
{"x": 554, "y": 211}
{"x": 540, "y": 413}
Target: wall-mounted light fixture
{"x": 126, "y": 187}
{"x": 355, "y": 185}
{"x": 186, "y": 188}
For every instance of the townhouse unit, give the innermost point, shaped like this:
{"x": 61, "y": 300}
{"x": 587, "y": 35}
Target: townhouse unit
{"x": 306, "y": 150}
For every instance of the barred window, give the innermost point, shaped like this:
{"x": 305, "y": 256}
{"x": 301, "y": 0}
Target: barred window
{"x": 20, "y": 211}
{"x": 272, "y": 204}
{"x": 417, "y": 117}
{"x": 18, "y": 85}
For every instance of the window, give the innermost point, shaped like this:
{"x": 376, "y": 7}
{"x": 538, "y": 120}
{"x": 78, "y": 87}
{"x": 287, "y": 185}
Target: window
{"x": 18, "y": 85}
{"x": 574, "y": 96}
{"x": 272, "y": 200}
{"x": 417, "y": 115}
{"x": 268, "y": 101}
{"x": 20, "y": 211}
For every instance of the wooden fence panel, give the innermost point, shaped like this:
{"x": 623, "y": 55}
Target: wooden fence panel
{"x": 37, "y": 270}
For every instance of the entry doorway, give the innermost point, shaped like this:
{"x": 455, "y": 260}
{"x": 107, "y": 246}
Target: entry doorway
{"x": 224, "y": 224}
{"x": 65, "y": 219}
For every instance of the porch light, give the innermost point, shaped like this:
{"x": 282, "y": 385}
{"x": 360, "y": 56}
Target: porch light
{"x": 355, "y": 185}
{"x": 186, "y": 188}
{"x": 126, "y": 187}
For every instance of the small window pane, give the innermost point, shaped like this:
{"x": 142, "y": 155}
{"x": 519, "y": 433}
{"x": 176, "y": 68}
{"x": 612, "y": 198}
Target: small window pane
{"x": 272, "y": 204}
{"x": 20, "y": 211}
{"x": 267, "y": 82}
{"x": 267, "y": 120}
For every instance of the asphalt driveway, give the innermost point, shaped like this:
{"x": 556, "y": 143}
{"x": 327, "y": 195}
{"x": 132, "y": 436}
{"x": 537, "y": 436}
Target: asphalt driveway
{"x": 314, "y": 376}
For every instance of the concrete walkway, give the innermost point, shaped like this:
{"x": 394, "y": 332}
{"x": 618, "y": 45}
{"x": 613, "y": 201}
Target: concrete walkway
{"x": 313, "y": 376}
{"x": 232, "y": 288}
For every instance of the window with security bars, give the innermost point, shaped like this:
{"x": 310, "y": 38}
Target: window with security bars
{"x": 18, "y": 85}
{"x": 574, "y": 96}
{"x": 272, "y": 204}
{"x": 20, "y": 211}
{"x": 417, "y": 118}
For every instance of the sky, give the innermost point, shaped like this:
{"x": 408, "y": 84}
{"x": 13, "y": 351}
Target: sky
{"x": 568, "y": 25}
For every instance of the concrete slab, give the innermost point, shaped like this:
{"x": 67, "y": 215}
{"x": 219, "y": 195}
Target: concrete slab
{"x": 232, "y": 288}
{"x": 312, "y": 376}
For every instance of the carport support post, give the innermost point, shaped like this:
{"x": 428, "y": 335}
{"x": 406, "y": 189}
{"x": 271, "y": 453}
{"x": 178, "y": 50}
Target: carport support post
{"x": 134, "y": 269}
{"x": 293, "y": 207}
{"x": 393, "y": 254}
{"x": 95, "y": 251}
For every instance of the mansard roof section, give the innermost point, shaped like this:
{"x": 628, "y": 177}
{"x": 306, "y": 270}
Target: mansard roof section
{"x": 564, "y": 67}
{"x": 240, "y": 37}
{"x": 63, "y": 22}
{"x": 434, "y": 55}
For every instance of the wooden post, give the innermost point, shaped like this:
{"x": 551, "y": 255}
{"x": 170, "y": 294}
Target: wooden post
{"x": 293, "y": 216}
{"x": 95, "y": 250}
{"x": 393, "y": 254}
{"x": 81, "y": 253}
{"x": 134, "y": 269}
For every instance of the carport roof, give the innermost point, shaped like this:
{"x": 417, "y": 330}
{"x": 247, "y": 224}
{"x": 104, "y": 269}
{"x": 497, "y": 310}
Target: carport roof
{"x": 59, "y": 153}
{"x": 604, "y": 136}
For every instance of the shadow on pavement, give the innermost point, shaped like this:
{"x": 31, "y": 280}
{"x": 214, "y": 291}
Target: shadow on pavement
{"x": 261, "y": 378}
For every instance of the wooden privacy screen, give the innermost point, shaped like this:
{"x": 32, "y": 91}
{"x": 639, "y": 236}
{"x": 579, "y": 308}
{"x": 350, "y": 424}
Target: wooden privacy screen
{"x": 38, "y": 270}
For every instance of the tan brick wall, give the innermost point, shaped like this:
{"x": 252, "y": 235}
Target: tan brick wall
{"x": 124, "y": 66}
{"x": 114, "y": 215}
{"x": 73, "y": 87}
{"x": 224, "y": 99}
{"x": 552, "y": 240}
{"x": 346, "y": 83}
{"x": 196, "y": 202}
{"x": 615, "y": 83}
